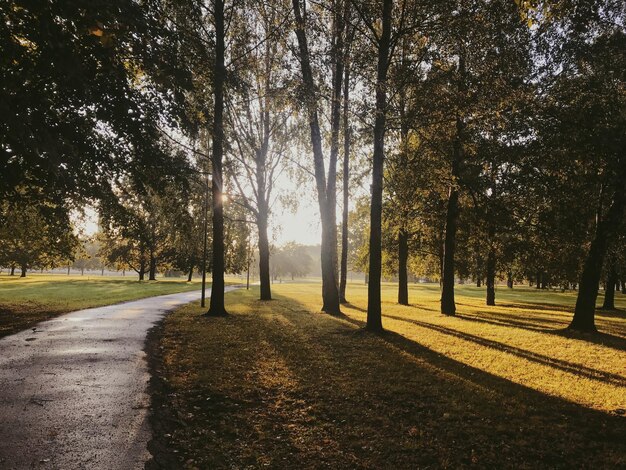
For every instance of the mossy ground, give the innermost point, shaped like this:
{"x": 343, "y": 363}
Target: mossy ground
{"x": 279, "y": 384}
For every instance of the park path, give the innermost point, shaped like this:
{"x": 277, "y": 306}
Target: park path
{"x": 73, "y": 391}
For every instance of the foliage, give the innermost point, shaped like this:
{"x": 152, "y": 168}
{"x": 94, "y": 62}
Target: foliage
{"x": 35, "y": 236}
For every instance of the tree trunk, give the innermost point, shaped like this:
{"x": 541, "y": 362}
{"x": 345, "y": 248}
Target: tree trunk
{"x": 325, "y": 191}
{"x": 609, "y": 292}
{"x": 264, "y": 259}
{"x": 153, "y": 263}
{"x": 69, "y": 267}
{"x": 509, "y": 280}
{"x": 403, "y": 256}
{"x": 491, "y": 277}
{"x": 23, "y": 274}
{"x": 374, "y": 310}
{"x": 216, "y": 305}
{"x": 479, "y": 265}
{"x": 343, "y": 278}
{"x": 584, "y": 312}
{"x": 538, "y": 280}
{"x": 190, "y": 274}
{"x": 82, "y": 271}
{"x": 623, "y": 286}
{"x": 142, "y": 268}
{"x": 448, "y": 306}
{"x": 491, "y": 266}
{"x": 12, "y": 270}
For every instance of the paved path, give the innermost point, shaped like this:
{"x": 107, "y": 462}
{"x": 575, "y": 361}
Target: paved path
{"x": 73, "y": 393}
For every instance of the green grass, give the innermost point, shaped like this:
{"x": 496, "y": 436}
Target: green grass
{"x": 279, "y": 384}
{"x": 27, "y": 301}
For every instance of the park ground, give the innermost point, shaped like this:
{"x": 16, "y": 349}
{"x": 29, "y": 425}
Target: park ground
{"x": 280, "y": 385}
{"x": 24, "y": 302}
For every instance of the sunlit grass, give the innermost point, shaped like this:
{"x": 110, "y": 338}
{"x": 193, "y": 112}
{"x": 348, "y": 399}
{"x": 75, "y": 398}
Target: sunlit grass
{"x": 26, "y": 301}
{"x": 280, "y": 384}
{"x": 522, "y": 339}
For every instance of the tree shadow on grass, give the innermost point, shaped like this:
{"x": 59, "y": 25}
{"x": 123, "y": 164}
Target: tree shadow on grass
{"x": 603, "y": 339}
{"x": 541, "y": 359}
{"x": 470, "y": 410}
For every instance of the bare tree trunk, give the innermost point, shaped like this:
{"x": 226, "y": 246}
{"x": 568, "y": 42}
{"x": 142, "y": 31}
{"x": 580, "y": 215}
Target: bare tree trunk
{"x": 23, "y": 273}
{"x": 346, "y": 183}
{"x": 491, "y": 277}
{"x": 190, "y": 274}
{"x": 264, "y": 259}
{"x": 584, "y": 312}
{"x": 12, "y": 270}
{"x": 609, "y": 292}
{"x": 374, "y": 311}
{"x": 216, "y": 305}
{"x": 152, "y": 271}
{"x": 509, "y": 280}
{"x": 403, "y": 256}
{"x": 325, "y": 191}
{"x": 448, "y": 306}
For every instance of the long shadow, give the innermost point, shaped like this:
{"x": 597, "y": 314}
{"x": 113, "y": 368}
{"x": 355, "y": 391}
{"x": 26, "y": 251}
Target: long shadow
{"x": 614, "y": 313}
{"x": 565, "y": 366}
{"x": 603, "y": 339}
{"x": 524, "y": 318}
{"x": 354, "y": 307}
{"x": 506, "y": 403}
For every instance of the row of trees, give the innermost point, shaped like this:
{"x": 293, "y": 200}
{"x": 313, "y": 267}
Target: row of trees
{"x": 492, "y": 131}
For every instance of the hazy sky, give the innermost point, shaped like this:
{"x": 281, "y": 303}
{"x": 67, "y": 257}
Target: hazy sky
{"x": 303, "y": 226}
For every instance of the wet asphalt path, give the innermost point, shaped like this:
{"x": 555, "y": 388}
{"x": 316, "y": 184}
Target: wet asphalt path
{"x": 73, "y": 393}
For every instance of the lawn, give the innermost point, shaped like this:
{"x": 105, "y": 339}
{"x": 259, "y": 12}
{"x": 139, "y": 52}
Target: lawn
{"x": 27, "y": 301}
{"x": 279, "y": 384}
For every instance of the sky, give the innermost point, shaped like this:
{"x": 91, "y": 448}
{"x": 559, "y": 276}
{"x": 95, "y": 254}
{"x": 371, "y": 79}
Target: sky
{"x": 302, "y": 227}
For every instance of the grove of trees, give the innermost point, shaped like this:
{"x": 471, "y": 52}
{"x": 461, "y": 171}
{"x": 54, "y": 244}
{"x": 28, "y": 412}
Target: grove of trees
{"x": 473, "y": 139}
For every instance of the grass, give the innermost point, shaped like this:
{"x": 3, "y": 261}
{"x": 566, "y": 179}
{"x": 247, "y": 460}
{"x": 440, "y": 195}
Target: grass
{"x": 280, "y": 385}
{"x": 27, "y": 301}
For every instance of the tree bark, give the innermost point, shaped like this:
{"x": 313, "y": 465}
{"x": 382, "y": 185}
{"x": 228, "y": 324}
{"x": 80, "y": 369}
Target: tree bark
{"x": 152, "y": 271}
{"x": 343, "y": 278}
{"x": 190, "y": 274}
{"x": 623, "y": 286}
{"x": 142, "y": 268}
{"x": 216, "y": 305}
{"x": 325, "y": 191}
{"x": 23, "y": 273}
{"x": 491, "y": 266}
{"x": 448, "y": 306}
{"x": 12, "y": 270}
{"x": 264, "y": 259}
{"x": 509, "y": 280}
{"x": 609, "y": 292}
{"x": 491, "y": 277}
{"x": 403, "y": 256}
{"x": 538, "y": 280}
{"x": 374, "y": 310}
{"x": 584, "y": 312}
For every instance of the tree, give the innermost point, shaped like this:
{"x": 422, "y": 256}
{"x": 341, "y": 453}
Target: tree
{"x": 75, "y": 105}
{"x": 325, "y": 184}
{"x": 35, "y": 235}
{"x": 260, "y": 121}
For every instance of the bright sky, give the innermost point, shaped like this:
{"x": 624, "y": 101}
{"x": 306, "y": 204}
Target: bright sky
{"x": 303, "y": 226}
